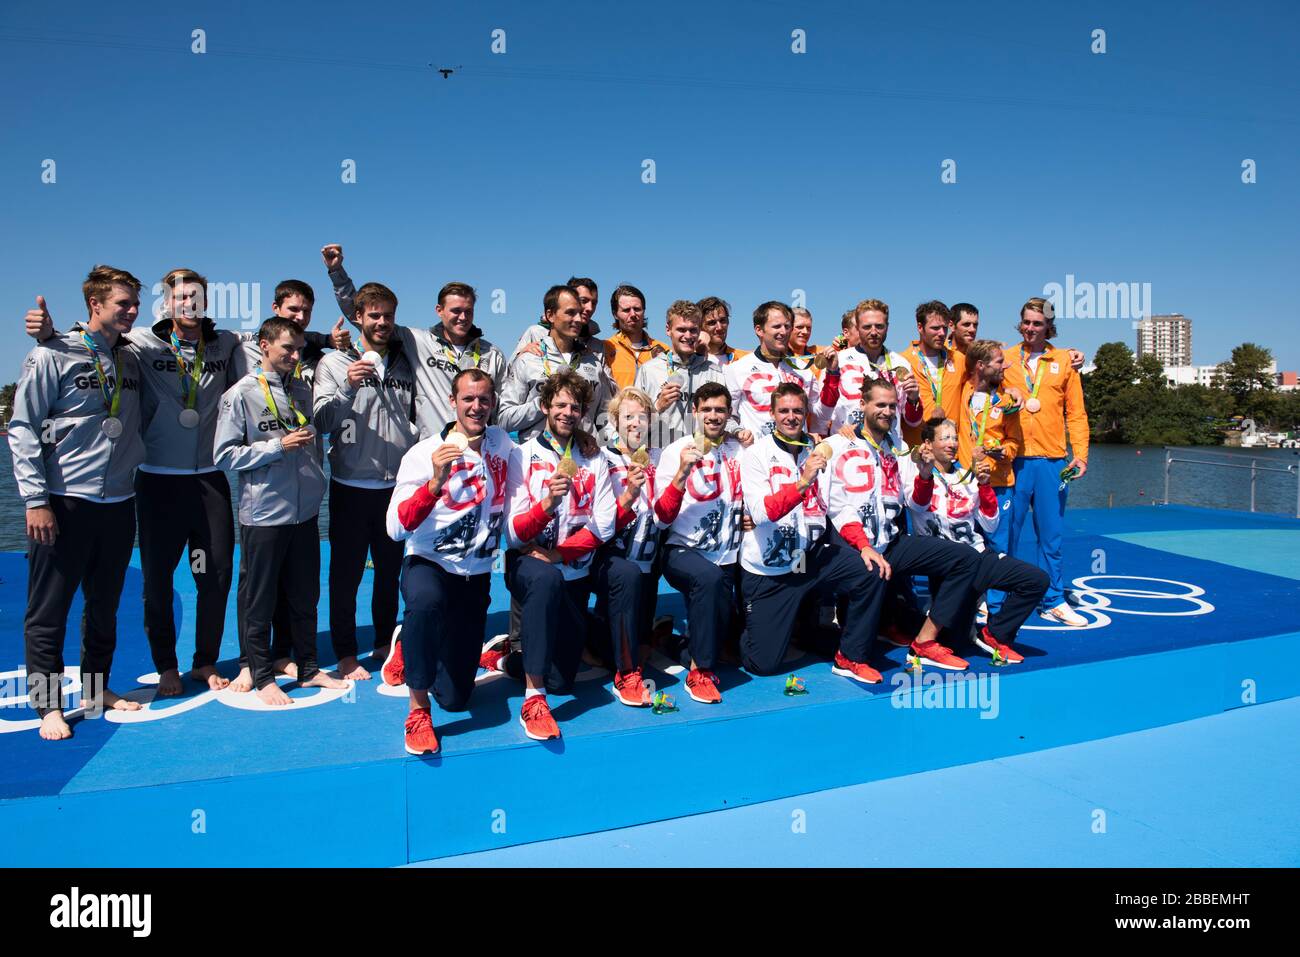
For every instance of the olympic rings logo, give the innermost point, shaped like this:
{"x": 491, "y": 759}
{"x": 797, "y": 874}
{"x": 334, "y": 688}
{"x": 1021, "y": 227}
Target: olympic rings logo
{"x": 1097, "y": 604}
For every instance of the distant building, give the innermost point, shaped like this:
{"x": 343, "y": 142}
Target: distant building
{"x": 1288, "y": 381}
{"x": 1168, "y": 338}
{"x": 1206, "y": 375}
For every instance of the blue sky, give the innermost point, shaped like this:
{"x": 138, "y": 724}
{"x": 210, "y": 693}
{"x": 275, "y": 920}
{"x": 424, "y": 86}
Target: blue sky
{"x": 775, "y": 171}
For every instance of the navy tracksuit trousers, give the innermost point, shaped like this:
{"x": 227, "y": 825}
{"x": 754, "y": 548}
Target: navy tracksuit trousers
{"x": 442, "y": 630}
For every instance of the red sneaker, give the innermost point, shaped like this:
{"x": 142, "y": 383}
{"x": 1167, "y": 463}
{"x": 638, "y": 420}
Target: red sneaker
{"x": 702, "y": 686}
{"x": 936, "y": 654}
{"x": 394, "y": 670}
{"x": 420, "y": 738}
{"x": 855, "y": 670}
{"x": 997, "y": 649}
{"x": 536, "y": 718}
{"x": 495, "y": 653}
{"x": 894, "y": 635}
{"x": 631, "y": 690}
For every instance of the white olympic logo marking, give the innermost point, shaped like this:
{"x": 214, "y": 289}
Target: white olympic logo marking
{"x": 1096, "y": 603}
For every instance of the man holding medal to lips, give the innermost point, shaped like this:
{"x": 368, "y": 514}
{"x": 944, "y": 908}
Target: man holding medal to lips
{"x": 182, "y": 498}
{"x": 264, "y": 435}
{"x": 448, "y": 507}
{"x": 75, "y": 439}
{"x": 1053, "y": 410}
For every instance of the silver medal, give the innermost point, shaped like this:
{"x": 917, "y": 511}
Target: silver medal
{"x": 189, "y": 418}
{"x": 111, "y": 426}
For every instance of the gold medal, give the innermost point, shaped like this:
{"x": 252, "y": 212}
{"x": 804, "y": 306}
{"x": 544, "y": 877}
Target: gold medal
{"x": 641, "y": 456}
{"x": 703, "y": 443}
{"x": 820, "y": 361}
{"x": 567, "y": 467}
{"x": 457, "y": 439}
{"x": 824, "y": 450}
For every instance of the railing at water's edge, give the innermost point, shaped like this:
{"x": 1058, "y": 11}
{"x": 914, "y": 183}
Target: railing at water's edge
{"x": 1254, "y": 467}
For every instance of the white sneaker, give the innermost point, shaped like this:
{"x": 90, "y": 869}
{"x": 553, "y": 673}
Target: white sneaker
{"x": 982, "y": 614}
{"x": 1066, "y": 616}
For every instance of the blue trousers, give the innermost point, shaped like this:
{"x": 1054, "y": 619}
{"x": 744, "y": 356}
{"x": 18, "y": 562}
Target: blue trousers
{"x": 442, "y": 631}
{"x": 620, "y": 622}
{"x": 1038, "y": 490}
{"x": 772, "y": 605}
{"x": 707, "y": 589}
{"x": 1000, "y": 540}
{"x": 552, "y": 621}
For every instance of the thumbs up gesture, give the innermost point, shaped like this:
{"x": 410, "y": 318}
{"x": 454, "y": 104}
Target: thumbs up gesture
{"x": 38, "y": 323}
{"x": 340, "y": 338}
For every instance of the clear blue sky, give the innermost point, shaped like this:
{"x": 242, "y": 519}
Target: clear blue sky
{"x": 775, "y": 171}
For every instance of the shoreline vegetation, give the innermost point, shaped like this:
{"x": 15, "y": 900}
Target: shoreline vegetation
{"x": 1130, "y": 402}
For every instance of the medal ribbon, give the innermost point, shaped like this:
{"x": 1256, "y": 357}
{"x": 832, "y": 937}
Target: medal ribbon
{"x": 546, "y": 365}
{"x": 934, "y": 374}
{"x": 270, "y": 401}
{"x": 189, "y": 374}
{"x": 1038, "y": 373}
{"x": 113, "y": 398}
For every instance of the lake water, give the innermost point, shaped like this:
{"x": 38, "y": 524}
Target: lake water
{"x": 1118, "y": 475}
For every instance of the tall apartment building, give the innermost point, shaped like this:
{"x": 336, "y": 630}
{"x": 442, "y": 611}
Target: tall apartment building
{"x": 1168, "y": 338}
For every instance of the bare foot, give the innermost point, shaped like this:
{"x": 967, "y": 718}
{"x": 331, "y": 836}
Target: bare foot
{"x": 243, "y": 682}
{"x": 54, "y": 728}
{"x": 272, "y": 694}
{"x": 112, "y": 701}
{"x": 348, "y": 668}
{"x": 322, "y": 680}
{"x": 208, "y": 673}
{"x": 169, "y": 684}
{"x": 286, "y": 667}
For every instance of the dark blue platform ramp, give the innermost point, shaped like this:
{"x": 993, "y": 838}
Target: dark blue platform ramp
{"x": 1187, "y": 629}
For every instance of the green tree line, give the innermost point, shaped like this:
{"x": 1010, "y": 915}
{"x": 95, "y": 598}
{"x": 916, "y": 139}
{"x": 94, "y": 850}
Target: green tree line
{"x": 1129, "y": 401}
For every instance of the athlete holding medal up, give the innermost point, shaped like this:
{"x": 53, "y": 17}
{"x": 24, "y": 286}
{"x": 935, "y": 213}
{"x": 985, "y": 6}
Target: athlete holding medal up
{"x": 263, "y": 434}
{"x": 75, "y": 439}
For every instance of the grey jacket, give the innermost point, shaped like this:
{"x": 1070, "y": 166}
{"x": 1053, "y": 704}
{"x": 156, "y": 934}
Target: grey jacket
{"x": 520, "y": 409}
{"x": 678, "y": 419}
{"x": 55, "y": 434}
{"x": 275, "y": 487}
{"x": 168, "y": 443}
{"x": 371, "y": 425}
{"x": 436, "y": 360}
{"x": 537, "y": 331}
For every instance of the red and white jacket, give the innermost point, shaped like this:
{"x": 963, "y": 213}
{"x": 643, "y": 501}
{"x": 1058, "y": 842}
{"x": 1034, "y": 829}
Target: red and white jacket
{"x": 863, "y": 492}
{"x": 752, "y": 379}
{"x": 585, "y": 518}
{"x": 461, "y": 528}
{"x": 636, "y": 536}
{"x": 855, "y": 367}
{"x": 787, "y": 522}
{"x": 944, "y": 507}
{"x": 709, "y": 515}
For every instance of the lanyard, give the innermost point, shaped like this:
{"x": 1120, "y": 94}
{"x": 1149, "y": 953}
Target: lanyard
{"x": 270, "y": 401}
{"x": 573, "y": 363}
{"x": 553, "y": 444}
{"x": 978, "y": 430}
{"x": 809, "y": 359}
{"x": 456, "y": 359}
{"x": 893, "y": 450}
{"x": 934, "y": 374}
{"x": 622, "y": 340}
{"x": 1038, "y": 373}
{"x": 113, "y": 397}
{"x": 190, "y": 375}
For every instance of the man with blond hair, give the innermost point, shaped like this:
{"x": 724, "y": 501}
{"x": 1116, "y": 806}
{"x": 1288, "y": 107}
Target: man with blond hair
{"x": 1053, "y": 414}
{"x": 672, "y": 377}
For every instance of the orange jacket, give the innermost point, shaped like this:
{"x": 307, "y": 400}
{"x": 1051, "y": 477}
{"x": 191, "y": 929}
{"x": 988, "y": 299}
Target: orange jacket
{"x": 623, "y": 360}
{"x": 999, "y": 428}
{"x": 949, "y": 385}
{"x": 1060, "y": 396}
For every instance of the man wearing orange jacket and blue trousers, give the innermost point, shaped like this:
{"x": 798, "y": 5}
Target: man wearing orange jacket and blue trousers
{"x": 1053, "y": 410}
